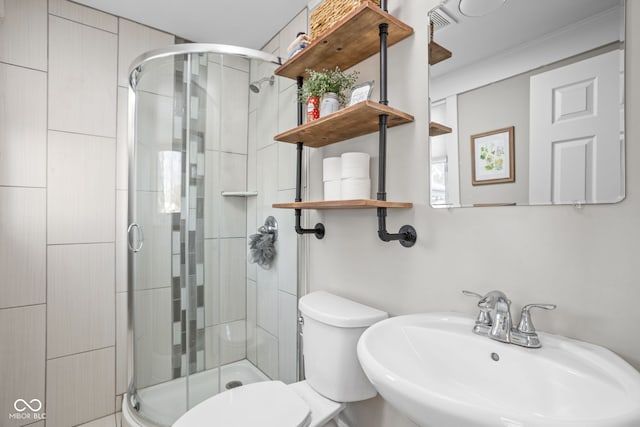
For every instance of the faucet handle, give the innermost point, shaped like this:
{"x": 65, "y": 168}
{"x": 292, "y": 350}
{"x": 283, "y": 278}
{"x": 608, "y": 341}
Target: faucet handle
{"x": 526, "y": 324}
{"x": 484, "y": 317}
{"x": 472, "y": 294}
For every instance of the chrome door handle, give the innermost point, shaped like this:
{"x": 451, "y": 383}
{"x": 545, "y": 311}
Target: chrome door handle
{"x": 140, "y": 240}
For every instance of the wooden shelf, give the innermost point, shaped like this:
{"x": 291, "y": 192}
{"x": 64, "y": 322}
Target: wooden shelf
{"x": 344, "y": 204}
{"x": 350, "y": 41}
{"x": 436, "y": 129}
{"x": 357, "y": 120}
{"x": 438, "y": 53}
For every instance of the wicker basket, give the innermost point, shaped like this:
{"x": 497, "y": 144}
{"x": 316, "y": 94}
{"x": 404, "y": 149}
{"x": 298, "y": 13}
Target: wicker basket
{"x": 331, "y": 11}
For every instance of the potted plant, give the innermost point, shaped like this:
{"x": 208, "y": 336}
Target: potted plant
{"x": 331, "y": 85}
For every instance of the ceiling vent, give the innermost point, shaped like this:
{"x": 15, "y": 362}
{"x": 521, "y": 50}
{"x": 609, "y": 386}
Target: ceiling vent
{"x": 440, "y": 19}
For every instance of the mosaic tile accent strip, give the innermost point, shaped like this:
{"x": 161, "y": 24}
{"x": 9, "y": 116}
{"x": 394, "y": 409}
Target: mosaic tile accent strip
{"x": 187, "y": 291}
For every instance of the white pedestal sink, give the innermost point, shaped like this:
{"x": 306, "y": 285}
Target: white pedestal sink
{"x": 432, "y": 368}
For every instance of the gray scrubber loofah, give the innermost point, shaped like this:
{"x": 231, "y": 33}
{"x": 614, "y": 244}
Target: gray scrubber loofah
{"x": 262, "y": 249}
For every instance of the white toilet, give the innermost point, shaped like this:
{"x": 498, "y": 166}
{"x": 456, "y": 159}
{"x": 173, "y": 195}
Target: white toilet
{"x": 332, "y": 327}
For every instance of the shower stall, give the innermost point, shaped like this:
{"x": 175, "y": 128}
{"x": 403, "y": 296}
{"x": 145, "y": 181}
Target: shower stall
{"x": 198, "y": 320}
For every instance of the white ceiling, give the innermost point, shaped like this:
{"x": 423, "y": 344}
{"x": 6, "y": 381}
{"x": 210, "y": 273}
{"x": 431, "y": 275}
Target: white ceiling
{"x": 246, "y": 23}
{"x": 513, "y": 24}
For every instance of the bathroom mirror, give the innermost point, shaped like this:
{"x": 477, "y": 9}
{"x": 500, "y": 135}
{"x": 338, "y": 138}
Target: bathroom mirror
{"x": 534, "y": 91}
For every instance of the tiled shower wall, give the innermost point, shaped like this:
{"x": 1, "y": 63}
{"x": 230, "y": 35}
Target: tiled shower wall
{"x": 63, "y": 198}
{"x": 271, "y": 294}
{"x": 63, "y": 192}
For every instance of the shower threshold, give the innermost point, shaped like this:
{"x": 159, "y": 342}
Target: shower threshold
{"x": 164, "y": 403}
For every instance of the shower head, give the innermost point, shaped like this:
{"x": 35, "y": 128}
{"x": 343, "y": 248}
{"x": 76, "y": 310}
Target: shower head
{"x": 255, "y": 86}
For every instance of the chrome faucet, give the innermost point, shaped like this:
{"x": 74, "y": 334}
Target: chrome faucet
{"x": 495, "y": 321}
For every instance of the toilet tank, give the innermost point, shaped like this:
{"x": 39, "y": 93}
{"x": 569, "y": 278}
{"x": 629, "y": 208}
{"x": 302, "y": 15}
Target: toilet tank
{"x": 332, "y": 327}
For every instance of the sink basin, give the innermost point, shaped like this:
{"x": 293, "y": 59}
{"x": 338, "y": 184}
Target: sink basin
{"x": 432, "y": 368}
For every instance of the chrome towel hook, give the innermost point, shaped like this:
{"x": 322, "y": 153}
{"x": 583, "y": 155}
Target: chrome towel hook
{"x": 270, "y": 227}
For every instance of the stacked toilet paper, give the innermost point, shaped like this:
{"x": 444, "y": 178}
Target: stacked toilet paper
{"x": 331, "y": 175}
{"x": 346, "y": 177}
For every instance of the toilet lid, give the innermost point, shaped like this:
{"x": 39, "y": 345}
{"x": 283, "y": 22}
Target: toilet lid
{"x": 265, "y": 404}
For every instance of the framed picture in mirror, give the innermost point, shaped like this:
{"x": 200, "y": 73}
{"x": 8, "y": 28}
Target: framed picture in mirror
{"x": 492, "y": 157}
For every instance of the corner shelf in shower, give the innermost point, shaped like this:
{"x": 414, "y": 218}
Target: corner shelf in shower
{"x": 239, "y": 193}
{"x": 350, "y": 41}
{"x": 356, "y": 120}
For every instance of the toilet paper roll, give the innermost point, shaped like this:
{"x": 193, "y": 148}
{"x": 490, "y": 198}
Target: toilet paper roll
{"x": 332, "y": 190}
{"x": 356, "y": 188}
{"x": 355, "y": 165}
{"x": 331, "y": 169}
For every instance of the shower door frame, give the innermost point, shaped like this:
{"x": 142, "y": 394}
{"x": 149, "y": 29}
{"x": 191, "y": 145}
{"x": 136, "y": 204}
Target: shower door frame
{"x": 134, "y": 71}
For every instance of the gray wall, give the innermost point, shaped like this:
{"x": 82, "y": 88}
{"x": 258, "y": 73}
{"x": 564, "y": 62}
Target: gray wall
{"x": 586, "y": 261}
{"x": 495, "y": 106}
{"x": 488, "y": 108}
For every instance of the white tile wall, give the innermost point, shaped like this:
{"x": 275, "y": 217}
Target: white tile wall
{"x": 227, "y": 103}
{"x": 22, "y": 246}
{"x": 80, "y": 388}
{"x": 235, "y": 102}
{"x": 135, "y": 39}
{"x": 122, "y": 146}
{"x": 214, "y": 104}
{"x": 212, "y": 281}
{"x": 252, "y": 166}
{"x": 23, "y": 126}
{"x": 267, "y": 107}
{"x": 88, "y": 58}
{"x": 23, "y": 33}
{"x": 122, "y": 248}
{"x": 121, "y": 342}
{"x": 82, "y": 90}
{"x": 153, "y": 262}
{"x": 267, "y": 300}
{"x": 252, "y": 342}
{"x": 233, "y": 209}
{"x": 268, "y": 183}
{"x": 80, "y": 210}
{"x": 267, "y": 353}
{"x": 225, "y": 343}
{"x": 288, "y": 34}
{"x": 288, "y": 109}
{"x": 212, "y": 210}
{"x": 22, "y": 359}
{"x": 224, "y": 216}
{"x": 287, "y": 336}
{"x": 152, "y": 312}
{"x": 80, "y": 298}
{"x": 287, "y": 257}
{"x": 287, "y": 154}
{"x": 238, "y": 63}
{"x": 232, "y": 279}
{"x": 252, "y": 227}
{"x": 154, "y": 133}
{"x": 84, "y": 15}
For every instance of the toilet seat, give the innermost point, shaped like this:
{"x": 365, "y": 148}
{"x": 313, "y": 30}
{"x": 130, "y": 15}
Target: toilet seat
{"x": 264, "y": 404}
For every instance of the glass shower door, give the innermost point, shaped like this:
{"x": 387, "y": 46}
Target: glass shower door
{"x": 159, "y": 200}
